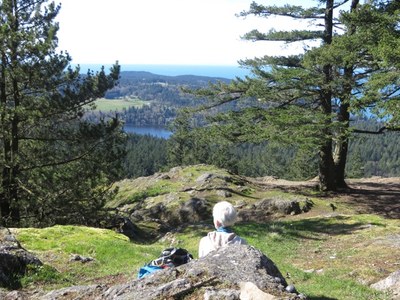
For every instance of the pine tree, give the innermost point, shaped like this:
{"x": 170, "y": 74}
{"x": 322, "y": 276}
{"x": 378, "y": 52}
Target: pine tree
{"x": 56, "y": 167}
{"x": 307, "y": 99}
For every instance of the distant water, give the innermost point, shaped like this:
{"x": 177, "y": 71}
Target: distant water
{"x": 229, "y": 72}
{"x": 153, "y": 131}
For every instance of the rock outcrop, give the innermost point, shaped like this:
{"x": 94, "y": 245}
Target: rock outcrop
{"x": 13, "y": 259}
{"x": 234, "y": 272}
{"x": 187, "y": 195}
{"x": 390, "y": 284}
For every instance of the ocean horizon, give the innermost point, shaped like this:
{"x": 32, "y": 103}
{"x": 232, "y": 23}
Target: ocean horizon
{"x": 229, "y": 72}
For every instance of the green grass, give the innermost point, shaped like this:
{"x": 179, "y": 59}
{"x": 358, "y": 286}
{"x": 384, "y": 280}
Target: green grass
{"x": 113, "y": 253}
{"x": 329, "y": 246}
{"x": 328, "y": 254}
{"x": 143, "y": 189}
{"x": 331, "y": 257}
{"x": 106, "y": 105}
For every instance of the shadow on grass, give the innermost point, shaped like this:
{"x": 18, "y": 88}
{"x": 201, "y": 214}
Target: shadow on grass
{"x": 321, "y": 298}
{"x": 375, "y": 197}
{"x": 311, "y": 229}
{"x": 378, "y": 198}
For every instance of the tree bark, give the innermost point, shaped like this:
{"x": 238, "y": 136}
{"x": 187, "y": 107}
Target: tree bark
{"x": 326, "y": 178}
{"x": 341, "y": 148}
{"x": 5, "y": 183}
{"x": 10, "y": 122}
{"x": 326, "y": 165}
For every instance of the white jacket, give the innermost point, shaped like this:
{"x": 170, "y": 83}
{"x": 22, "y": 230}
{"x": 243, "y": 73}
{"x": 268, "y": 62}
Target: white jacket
{"x": 215, "y": 240}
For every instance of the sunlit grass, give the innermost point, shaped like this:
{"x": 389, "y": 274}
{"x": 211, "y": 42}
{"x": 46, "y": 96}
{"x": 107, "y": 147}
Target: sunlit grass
{"x": 142, "y": 190}
{"x": 323, "y": 256}
{"x": 106, "y": 105}
{"x": 327, "y": 257}
{"x": 113, "y": 253}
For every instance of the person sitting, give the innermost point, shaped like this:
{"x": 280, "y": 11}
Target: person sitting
{"x": 224, "y": 216}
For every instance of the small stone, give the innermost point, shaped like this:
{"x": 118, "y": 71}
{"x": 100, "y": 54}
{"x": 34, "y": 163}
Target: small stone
{"x": 309, "y": 271}
{"x": 290, "y": 289}
{"x": 277, "y": 280}
{"x": 302, "y": 297}
{"x": 83, "y": 259}
{"x": 224, "y": 194}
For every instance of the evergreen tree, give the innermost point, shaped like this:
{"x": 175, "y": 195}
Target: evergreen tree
{"x": 145, "y": 155}
{"x": 356, "y": 169}
{"x": 306, "y": 100}
{"x": 56, "y": 167}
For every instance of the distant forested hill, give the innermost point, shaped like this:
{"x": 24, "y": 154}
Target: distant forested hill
{"x": 163, "y": 94}
{"x": 369, "y": 155}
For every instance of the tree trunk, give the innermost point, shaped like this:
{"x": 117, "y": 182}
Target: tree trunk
{"x": 5, "y": 182}
{"x": 10, "y": 103}
{"x": 341, "y": 147}
{"x": 326, "y": 165}
{"x": 15, "y": 166}
{"x": 326, "y": 170}
{"x": 5, "y": 205}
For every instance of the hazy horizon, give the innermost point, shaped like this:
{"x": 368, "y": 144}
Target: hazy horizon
{"x": 224, "y": 71}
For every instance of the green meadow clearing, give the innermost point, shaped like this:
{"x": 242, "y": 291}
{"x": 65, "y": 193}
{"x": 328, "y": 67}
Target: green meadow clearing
{"x": 106, "y": 105}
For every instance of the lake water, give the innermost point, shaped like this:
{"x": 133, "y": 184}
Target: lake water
{"x": 153, "y": 131}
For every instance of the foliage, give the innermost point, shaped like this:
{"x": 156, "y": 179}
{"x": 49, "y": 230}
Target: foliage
{"x": 369, "y": 155}
{"x": 56, "y": 166}
{"x": 373, "y": 155}
{"x": 160, "y": 95}
{"x": 159, "y": 88}
{"x": 145, "y": 155}
{"x": 305, "y": 100}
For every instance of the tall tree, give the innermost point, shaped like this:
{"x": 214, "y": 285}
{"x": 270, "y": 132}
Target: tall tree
{"x": 53, "y": 162}
{"x": 307, "y": 99}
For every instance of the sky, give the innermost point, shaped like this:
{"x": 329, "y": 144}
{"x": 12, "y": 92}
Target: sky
{"x": 169, "y": 32}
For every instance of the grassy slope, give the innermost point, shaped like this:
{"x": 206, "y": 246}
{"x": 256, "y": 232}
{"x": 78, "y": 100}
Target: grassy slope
{"x": 106, "y": 105}
{"x": 327, "y": 257}
{"x": 326, "y": 254}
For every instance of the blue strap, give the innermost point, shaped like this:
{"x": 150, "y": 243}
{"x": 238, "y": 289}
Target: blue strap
{"x": 224, "y": 229}
{"x": 147, "y": 269}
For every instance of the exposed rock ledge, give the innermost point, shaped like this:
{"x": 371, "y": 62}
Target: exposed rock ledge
{"x": 13, "y": 259}
{"x": 234, "y": 272}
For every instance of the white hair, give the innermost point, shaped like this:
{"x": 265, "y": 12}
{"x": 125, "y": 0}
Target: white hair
{"x": 224, "y": 213}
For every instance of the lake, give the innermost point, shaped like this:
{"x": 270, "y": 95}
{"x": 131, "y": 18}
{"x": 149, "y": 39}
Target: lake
{"x": 153, "y": 131}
